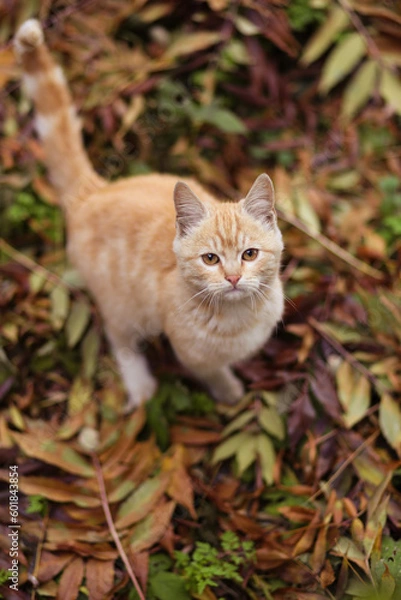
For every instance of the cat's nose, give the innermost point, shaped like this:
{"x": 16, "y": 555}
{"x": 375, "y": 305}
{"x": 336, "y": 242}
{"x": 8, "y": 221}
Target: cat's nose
{"x": 233, "y": 279}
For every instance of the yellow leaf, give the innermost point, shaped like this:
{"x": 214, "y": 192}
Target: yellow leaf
{"x": 326, "y": 35}
{"x": 192, "y": 42}
{"x": 142, "y": 501}
{"x": 267, "y": 457}
{"x": 305, "y": 210}
{"x": 77, "y": 322}
{"x": 229, "y": 447}
{"x": 359, "y": 89}
{"x": 390, "y": 421}
{"x": 246, "y": 453}
{"x": 55, "y": 453}
{"x": 79, "y": 397}
{"x": 151, "y": 529}
{"x": 353, "y": 392}
{"x": 238, "y": 423}
{"x": 342, "y": 60}
{"x": 60, "y": 303}
{"x": 272, "y": 422}
{"x": 390, "y": 89}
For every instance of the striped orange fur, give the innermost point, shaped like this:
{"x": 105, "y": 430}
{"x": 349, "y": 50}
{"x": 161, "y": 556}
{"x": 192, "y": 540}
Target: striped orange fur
{"x": 157, "y": 255}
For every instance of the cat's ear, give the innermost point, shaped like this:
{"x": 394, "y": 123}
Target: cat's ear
{"x": 259, "y": 202}
{"x": 189, "y": 209}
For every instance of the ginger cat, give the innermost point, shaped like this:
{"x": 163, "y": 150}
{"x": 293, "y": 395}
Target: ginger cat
{"x": 157, "y": 255}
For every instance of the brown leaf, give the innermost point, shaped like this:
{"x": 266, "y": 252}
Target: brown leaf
{"x": 323, "y": 388}
{"x": 99, "y": 577}
{"x": 193, "y": 437}
{"x": 125, "y": 440}
{"x": 142, "y": 501}
{"x": 54, "y": 489}
{"x": 51, "y": 564}
{"x": 150, "y": 530}
{"x": 180, "y": 487}
{"x": 71, "y": 580}
{"x": 306, "y": 541}
{"x": 54, "y": 453}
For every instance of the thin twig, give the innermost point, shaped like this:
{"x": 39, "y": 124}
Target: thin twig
{"x": 332, "y": 246}
{"x": 32, "y": 577}
{"x": 31, "y": 265}
{"x": 347, "y": 355}
{"x": 345, "y": 464}
{"x": 110, "y": 523}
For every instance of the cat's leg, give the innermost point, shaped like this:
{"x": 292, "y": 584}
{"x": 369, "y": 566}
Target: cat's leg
{"x": 138, "y": 380}
{"x": 224, "y": 386}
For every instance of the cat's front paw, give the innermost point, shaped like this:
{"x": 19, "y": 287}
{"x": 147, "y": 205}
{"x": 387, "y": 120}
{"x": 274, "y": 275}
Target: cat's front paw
{"x": 228, "y": 390}
{"x": 145, "y": 388}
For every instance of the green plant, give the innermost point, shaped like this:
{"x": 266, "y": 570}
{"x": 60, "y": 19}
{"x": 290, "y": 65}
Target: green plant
{"x": 371, "y": 72}
{"x": 390, "y": 207}
{"x": 37, "y": 504}
{"x": 248, "y": 437}
{"x": 304, "y": 13}
{"x": 207, "y": 565}
{"x": 385, "y": 574}
{"x": 40, "y": 217}
{"x": 174, "y": 398}
{"x": 162, "y": 583}
{"x": 3, "y": 576}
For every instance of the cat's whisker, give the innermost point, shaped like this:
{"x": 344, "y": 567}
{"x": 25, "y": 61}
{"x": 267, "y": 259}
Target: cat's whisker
{"x": 286, "y": 298}
{"x": 202, "y": 291}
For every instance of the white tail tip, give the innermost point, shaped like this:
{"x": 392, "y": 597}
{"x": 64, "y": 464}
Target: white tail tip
{"x": 29, "y": 36}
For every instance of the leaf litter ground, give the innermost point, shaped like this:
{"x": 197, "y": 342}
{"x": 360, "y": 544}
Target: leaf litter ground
{"x": 304, "y": 474}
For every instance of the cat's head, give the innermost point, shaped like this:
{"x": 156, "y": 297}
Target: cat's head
{"x": 230, "y": 250}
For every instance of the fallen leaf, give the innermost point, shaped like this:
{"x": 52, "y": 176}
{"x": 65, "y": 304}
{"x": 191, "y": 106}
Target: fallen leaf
{"x": 151, "y": 529}
{"x": 70, "y": 580}
{"x": 99, "y": 578}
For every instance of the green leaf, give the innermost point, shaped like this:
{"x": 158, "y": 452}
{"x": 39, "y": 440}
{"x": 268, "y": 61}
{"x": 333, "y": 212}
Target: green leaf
{"x": 326, "y": 35}
{"x": 238, "y": 423}
{"x": 36, "y": 282}
{"x": 272, "y": 422}
{"x": 77, "y": 322}
{"x": 151, "y": 529}
{"x": 142, "y": 500}
{"x": 267, "y": 457}
{"x": 347, "y": 548}
{"x": 229, "y": 447}
{"x": 60, "y": 303}
{"x": 90, "y": 352}
{"x": 168, "y": 586}
{"x": 345, "y": 56}
{"x": 246, "y": 453}
{"x": 390, "y": 421}
{"x": 222, "y": 118}
{"x": 79, "y": 397}
{"x": 390, "y": 89}
{"x": 353, "y": 392}
{"x": 359, "y": 89}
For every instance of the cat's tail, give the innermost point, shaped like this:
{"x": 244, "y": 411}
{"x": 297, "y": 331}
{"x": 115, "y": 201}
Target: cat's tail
{"x": 56, "y": 122}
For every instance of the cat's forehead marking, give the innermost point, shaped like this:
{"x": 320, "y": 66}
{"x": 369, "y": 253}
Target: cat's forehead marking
{"x": 227, "y": 230}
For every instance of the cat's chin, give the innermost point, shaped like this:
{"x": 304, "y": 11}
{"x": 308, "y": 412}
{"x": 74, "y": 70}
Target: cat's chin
{"x": 235, "y": 294}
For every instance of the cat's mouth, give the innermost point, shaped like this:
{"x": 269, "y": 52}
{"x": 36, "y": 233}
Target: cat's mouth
{"x": 235, "y": 293}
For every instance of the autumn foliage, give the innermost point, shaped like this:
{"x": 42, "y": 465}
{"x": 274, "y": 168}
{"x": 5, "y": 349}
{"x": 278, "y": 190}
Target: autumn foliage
{"x": 295, "y": 494}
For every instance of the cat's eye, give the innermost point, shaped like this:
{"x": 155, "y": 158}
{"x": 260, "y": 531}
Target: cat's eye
{"x": 250, "y": 254}
{"x": 210, "y": 259}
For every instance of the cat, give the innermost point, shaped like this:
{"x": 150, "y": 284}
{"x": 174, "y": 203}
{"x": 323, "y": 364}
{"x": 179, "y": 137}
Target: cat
{"x": 159, "y": 256}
